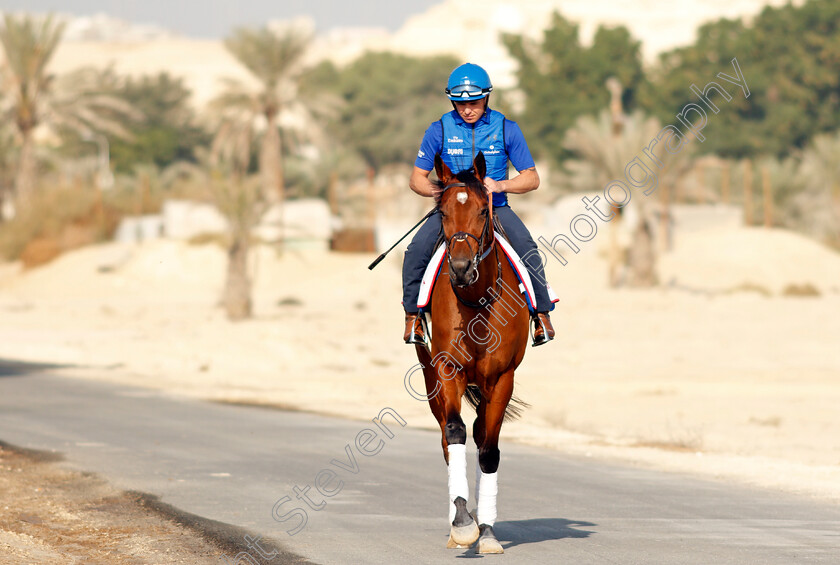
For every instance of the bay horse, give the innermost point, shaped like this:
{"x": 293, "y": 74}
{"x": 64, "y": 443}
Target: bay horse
{"x": 479, "y": 333}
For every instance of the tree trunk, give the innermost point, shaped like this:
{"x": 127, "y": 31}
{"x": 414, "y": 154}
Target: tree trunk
{"x": 724, "y": 183}
{"x": 271, "y": 167}
{"x": 666, "y": 235}
{"x": 237, "y": 293}
{"x": 26, "y": 173}
{"x": 642, "y": 256}
{"x": 271, "y": 172}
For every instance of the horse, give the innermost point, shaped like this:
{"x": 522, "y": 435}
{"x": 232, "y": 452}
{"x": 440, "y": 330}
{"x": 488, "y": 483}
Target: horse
{"x": 479, "y": 333}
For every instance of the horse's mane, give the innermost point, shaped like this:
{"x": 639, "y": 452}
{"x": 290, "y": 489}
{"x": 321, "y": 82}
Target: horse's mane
{"x": 468, "y": 178}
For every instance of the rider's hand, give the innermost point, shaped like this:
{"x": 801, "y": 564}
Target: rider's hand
{"x": 435, "y": 190}
{"x": 492, "y": 185}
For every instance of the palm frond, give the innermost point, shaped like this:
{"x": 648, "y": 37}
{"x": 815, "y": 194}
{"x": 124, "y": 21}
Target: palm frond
{"x": 83, "y": 102}
{"x": 602, "y": 156}
{"x": 272, "y": 57}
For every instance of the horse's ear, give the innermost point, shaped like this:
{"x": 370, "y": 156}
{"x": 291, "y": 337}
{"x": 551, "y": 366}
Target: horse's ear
{"x": 443, "y": 172}
{"x": 480, "y": 167}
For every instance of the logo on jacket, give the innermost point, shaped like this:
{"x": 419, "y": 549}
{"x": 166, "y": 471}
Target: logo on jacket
{"x": 454, "y": 139}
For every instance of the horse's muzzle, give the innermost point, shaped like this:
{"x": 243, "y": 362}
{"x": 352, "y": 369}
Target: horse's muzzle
{"x": 463, "y": 271}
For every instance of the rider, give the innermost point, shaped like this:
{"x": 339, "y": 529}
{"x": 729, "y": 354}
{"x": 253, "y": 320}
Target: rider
{"x": 458, "y": 136}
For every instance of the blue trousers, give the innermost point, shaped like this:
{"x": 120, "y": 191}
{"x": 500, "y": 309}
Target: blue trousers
{"x": 420, "y": 251}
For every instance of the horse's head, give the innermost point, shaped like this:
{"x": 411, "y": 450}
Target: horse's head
{"x": 465, "y": 213}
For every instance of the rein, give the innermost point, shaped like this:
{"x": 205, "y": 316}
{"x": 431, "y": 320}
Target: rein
{"x": 464, "y": 236}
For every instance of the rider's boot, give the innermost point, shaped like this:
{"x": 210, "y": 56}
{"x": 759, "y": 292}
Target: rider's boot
{"x": 543, "y": 330}
{"x": 414, "y": 330}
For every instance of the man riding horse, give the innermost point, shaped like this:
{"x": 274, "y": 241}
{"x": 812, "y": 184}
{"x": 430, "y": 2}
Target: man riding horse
{"x": 472, "y": 127}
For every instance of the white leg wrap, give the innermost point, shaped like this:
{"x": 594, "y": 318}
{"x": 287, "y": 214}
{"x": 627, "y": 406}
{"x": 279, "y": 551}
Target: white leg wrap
{"x": 477, "y": 474}
{"x": 458, "y": 485}
{"x": 488, "y": 488}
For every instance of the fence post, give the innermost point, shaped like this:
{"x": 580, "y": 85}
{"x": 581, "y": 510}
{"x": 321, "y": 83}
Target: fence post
{"x": 724, "y": 182}
{"x": 700, "y": 194}
{"x": 748, "y": 179}
{"x": 768, "y": 197}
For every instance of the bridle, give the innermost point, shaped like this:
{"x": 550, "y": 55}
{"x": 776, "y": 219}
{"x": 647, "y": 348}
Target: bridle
{"x": 462, "y": 236}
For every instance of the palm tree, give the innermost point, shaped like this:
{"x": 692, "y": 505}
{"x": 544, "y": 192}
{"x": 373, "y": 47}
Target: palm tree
{"x": 29, "y": 45}
{"x": 8, "y": 158}
{"x": 603, "y": 151}
{"x": 80, "y": 102}
{"x": 240, "y": 200}
{"x": 85, "y": 102}
{"x": 276, "y": 60}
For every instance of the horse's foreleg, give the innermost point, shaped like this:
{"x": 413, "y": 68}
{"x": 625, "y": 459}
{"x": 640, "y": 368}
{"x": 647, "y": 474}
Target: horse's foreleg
{"x": 490, "y": 421}
{"x": 478, "y": 437}
{"x": 446, "y": 406}
{"x": 464, "y": 530}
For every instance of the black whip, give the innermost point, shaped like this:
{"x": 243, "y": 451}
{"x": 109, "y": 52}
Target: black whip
{"x": 381, "y": 257}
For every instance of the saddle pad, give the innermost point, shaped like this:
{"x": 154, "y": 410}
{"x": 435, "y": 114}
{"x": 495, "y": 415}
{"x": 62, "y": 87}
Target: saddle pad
{"x": 525, "y": 286}
{"x": 428, "y": 282}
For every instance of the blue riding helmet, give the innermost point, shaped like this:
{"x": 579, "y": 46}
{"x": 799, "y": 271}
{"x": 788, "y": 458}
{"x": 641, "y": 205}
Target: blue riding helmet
{"x": 468, "y": 82}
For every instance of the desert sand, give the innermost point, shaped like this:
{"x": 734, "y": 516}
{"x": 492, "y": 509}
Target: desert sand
{"x": 716, "y": 372}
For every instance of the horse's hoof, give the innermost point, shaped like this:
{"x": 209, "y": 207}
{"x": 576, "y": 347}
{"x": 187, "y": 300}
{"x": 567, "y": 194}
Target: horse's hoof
{"x": 488, "y": 543}
{"x": 464, "y": 535}
{"x": 452, "y": 545}
{"x": 464, "y": 529}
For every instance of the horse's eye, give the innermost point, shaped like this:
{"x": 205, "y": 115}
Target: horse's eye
{"x": 483, "y": 212}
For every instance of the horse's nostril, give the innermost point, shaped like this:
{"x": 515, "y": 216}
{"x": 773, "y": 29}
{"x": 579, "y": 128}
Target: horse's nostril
{"x": 461, "y": 266}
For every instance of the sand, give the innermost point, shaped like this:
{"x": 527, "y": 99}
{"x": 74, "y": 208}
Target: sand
{"x": 705, "y": 374}
{"x": 54, "y": 515}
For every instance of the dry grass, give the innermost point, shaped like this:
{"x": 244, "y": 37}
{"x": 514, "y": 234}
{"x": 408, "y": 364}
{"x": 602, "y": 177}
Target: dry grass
{"x": 749, "y": 287}
{"x": 672, "y": 437}
{"x": 770, "y": 421}
{"x": 806, "y": 289}
{"x": 56, "y": 220}
{"x": 210, "y": 238}
{"x": 65, "y": 217}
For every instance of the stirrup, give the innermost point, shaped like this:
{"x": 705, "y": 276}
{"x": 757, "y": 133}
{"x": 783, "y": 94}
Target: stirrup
{"x": 544, "y": 337}
{"x": 415, "y": 338}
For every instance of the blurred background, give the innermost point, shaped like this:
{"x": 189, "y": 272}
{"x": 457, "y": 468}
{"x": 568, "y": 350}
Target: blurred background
{"x": 166, "y": 173}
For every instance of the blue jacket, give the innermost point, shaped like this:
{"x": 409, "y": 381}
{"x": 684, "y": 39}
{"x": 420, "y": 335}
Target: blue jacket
{"x": 458, "y": 142}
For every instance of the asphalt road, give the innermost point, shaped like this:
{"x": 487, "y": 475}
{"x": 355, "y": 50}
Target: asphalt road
{"x": 233, "y": 464}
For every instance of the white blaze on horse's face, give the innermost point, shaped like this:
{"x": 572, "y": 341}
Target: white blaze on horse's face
{"x": 462, "y": 197}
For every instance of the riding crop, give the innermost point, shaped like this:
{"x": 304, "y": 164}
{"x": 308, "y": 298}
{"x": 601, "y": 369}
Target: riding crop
{"x": 381, "y": 257}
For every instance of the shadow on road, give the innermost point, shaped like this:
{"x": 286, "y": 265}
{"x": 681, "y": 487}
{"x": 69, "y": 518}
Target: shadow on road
{"x": 521, "y": 532}
{"x": 10, "y": 368}
{"x": 535, "y": 530}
